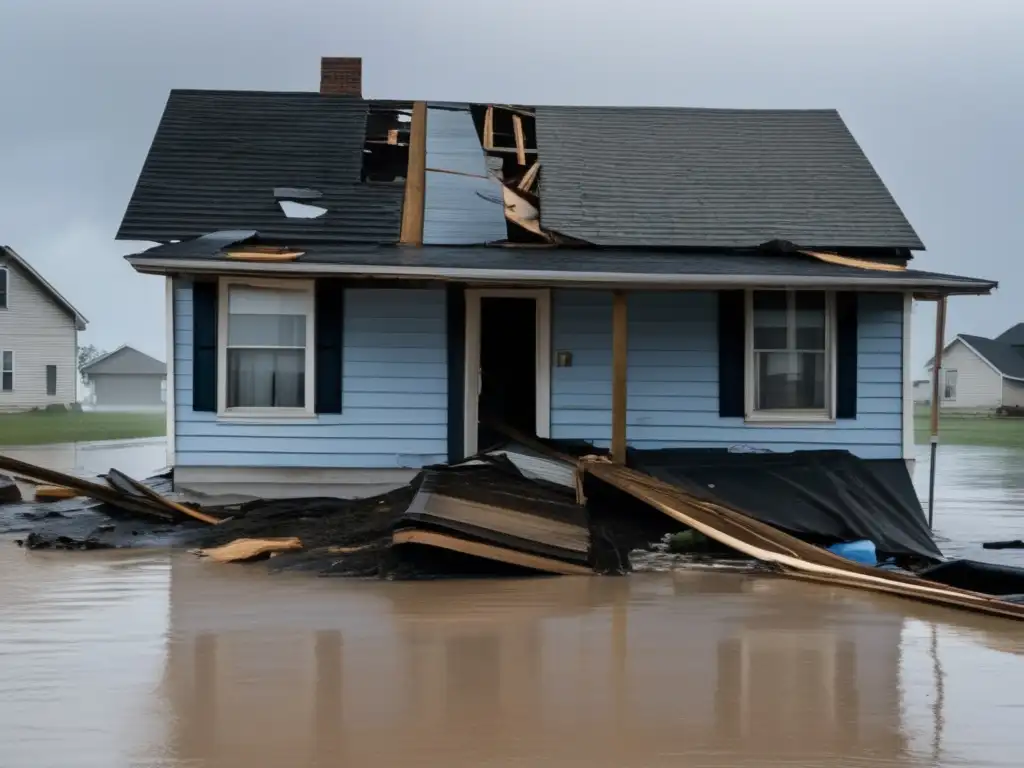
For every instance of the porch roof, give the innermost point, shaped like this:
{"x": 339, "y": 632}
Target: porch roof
{"x": 553, "y": 266}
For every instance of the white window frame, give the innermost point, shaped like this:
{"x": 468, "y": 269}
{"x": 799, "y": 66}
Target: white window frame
{"x": 14, "y": 370}
{"x": 260, "y": 414}
{"x": 946, "y": 386}
{"x": 7, "y": 288}
{"x": 797, "y": 416}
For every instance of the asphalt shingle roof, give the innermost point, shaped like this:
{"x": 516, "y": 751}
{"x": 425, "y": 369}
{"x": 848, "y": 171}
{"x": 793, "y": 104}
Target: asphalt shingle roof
{"x": 712, "y": 178}
{"x": 125, "y": 360}
{"x": 218, "y": 156}
{"x": 1005, "y": 358}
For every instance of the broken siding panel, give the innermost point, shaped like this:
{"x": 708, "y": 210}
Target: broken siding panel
{"x": 673, "y": 378}
{"x": 459, "y": 209}
{"x": 394, "y": 405}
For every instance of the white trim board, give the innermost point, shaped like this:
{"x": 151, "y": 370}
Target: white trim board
{"x": 471, "y": 384}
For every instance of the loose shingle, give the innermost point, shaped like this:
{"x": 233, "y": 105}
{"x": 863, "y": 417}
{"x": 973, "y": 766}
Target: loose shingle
{"x": 712, "y": 178}
{"x": 218, "y": 157}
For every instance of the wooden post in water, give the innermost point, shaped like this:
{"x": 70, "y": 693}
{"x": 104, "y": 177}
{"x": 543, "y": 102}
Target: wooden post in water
{"x": 940, "y": 334}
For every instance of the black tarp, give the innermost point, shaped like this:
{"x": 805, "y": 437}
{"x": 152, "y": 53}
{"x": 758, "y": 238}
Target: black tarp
{"x": 822, "y": 496}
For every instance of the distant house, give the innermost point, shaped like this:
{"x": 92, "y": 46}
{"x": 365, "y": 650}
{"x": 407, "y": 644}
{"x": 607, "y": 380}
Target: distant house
{"x": 650, "y": 278}
{"x": 981, "y": 373}
{"x": 126, "y": 379}
{"x": 38, "y": 338}
{"x": 922, "y": 390}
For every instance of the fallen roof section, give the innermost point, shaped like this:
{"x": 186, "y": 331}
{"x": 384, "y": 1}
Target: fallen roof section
{"x": 712, "y": 178}
{"x": 579, "y": 266}
{"x": 20, "y": 262}
{"x": 219, "y": 156}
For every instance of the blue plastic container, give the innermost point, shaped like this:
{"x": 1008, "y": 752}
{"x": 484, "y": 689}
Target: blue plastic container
{"x": 862, "y": 551}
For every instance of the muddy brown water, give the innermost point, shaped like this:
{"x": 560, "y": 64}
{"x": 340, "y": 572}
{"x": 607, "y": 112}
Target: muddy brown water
{"x": 152, "y": 659}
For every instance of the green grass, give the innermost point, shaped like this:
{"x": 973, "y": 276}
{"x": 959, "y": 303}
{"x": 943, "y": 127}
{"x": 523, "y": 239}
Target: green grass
{"x": 42, "y": 427}
{"x": 971, "y": 429}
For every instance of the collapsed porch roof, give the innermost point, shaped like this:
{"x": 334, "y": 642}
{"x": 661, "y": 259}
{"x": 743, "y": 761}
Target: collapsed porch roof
{"x": 561, "y": 266}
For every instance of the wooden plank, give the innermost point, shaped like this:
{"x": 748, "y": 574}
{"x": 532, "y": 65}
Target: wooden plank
{"x": 171, "y": 506}
{"x": 522, "y": 212}
{"x": 392, "y": 136}
{"x": 517, "y": 126}
{"x": 415, "y": 179}
{"x": 526, "y": 183}
{"x": 489, "y": 128}
{"x": 263, "y": 255}
{"x": 620, "y": 352}
{"x": 849, "y": 261}
{"x": 489, "y": 552}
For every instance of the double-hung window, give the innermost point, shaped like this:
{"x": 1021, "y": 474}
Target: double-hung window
{"x": 6, "y": 371}
{"x": 949, "y": 390}
{"x": 5, "y": 287}
{"x": 790, "y": 355}
{"x": 266, "y": 347}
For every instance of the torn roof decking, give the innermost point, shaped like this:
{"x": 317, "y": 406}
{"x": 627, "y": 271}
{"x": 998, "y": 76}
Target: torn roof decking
{"x": 712, "y": 178}
{"x": 217, "y": 157}
{"x": 656, "y": 269}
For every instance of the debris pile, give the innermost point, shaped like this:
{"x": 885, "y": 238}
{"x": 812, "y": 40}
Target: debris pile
{"x": 535, "y": 507}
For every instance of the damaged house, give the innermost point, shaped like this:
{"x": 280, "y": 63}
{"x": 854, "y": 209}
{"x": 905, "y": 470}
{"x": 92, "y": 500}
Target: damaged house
{"x": 361, "y": 288}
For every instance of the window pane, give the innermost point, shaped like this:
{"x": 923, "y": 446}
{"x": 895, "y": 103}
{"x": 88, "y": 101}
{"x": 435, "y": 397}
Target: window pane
{"x": 51, "y": 379}
{"x": 7, "y": 381}
{"x": 810, "y": 320}
{"x": 789, "y": 380}
{"x": 266, "y": 330}
{"x": 246, "y": 300}
{"x": 3, "y": 289}
{"x": 770, "y": 320}
{"x": 7, "y": 364}
{"x": 266, "y": 378}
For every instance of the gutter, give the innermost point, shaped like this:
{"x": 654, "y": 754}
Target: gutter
{"x": 462, "y": 274}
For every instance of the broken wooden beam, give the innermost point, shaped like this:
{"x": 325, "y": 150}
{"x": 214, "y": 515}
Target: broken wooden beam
{"x": 489, "y": 552}
{"x": 521, "y": 211}
{"x": 517, "y": 127}
{"x": 170, "y": 506}
{"x": 250, "y": 255}
{"x": 526, "y": 183}
{"x": 134, "y": 504}
{"x": 415, "y": 180}
{"x": 489, "y": 128}
{"x": 392, "y": 136}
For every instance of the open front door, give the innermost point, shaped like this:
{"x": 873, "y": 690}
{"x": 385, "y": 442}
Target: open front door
{"x": 508, "y": 364}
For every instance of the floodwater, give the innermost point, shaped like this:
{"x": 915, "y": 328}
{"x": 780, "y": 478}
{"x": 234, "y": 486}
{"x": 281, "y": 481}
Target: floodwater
{"x": 166, "y": 661}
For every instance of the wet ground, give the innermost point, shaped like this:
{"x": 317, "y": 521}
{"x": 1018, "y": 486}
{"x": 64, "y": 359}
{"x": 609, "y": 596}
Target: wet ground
{"x": 147, "y": 659}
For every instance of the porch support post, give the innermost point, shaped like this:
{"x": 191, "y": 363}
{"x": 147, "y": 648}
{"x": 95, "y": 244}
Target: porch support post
{"x": 620, "y": 350}
{"x": 940, "y": 334}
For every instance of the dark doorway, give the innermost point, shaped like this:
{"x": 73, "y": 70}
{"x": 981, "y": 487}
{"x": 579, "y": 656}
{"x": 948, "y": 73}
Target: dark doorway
{"x": 508, "y": 367}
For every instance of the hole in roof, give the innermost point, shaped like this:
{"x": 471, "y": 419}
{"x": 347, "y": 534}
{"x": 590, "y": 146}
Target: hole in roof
{"x": 295, "y": 210}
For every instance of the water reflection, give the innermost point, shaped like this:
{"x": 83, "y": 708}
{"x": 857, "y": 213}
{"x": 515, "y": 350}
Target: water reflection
{"x": 640, "y": 671}
{"x": 136, "y": 458}
{"x": 979, "y": 497}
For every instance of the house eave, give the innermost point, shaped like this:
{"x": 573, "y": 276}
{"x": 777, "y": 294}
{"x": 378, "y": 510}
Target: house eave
{"x": 651, "y": 281}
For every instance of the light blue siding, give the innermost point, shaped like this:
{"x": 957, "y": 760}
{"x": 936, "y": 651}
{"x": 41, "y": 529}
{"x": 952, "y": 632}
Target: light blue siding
{"x": 673, "y": 377}
{"x": 394, "y": 394}
{"x": 459, "y": 209}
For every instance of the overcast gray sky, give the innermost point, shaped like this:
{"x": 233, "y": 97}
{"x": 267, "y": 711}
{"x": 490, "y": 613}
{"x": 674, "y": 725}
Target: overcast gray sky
{"x": 932, "y": 89}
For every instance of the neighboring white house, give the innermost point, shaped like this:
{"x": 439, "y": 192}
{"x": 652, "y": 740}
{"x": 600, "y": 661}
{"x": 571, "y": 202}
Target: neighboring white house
{"x": 125, "y": 379}
{"x": 980, "y": 373}
{"x": 38, "y": 338}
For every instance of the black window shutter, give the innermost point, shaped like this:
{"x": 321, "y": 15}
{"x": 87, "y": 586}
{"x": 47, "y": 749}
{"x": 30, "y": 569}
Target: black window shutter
{"x": 846, "y": 355}
{"x": 204, "y": 346}
{"x": 456, "y": 325}
{"x": 732, "y": 353}
{"x": 328, "y": 325}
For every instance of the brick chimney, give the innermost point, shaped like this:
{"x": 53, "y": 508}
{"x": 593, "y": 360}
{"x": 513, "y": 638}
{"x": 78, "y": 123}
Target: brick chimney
{"x": 341, "y": 75}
